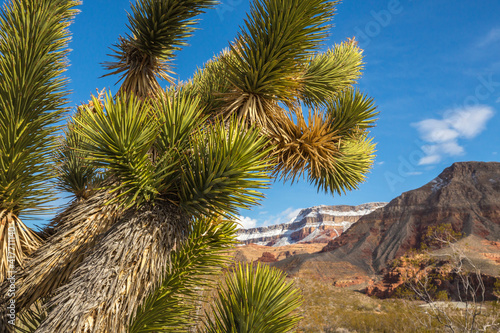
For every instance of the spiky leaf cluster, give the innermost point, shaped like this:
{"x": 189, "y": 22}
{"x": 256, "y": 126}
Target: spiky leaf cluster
{"x": 33, "y": 94}
{"x": 74, "y": 173}
{"x": 272, "y": 70}
{"x": 157, "y": 29}
{"x": 329, "y": 73}
{"x": 278, "y": 36}
{"x": 225, "y": 163}
{"x": 254, "y": 299}
{"x": 204, "y": 168}
{"x": 33, "y": 40}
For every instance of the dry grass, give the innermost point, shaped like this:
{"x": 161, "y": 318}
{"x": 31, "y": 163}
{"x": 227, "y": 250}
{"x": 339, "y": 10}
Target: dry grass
{"x": 329, "y": 309}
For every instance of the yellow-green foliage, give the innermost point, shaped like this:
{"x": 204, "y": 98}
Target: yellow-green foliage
{"x": 438, "y": 236}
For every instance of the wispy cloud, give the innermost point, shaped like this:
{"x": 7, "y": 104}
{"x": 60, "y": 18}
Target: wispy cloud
{"x": 246, "y": 222}
{"x": 493, "y": 36}
{"x": 285, "y": 216}
{"x": 443, "y": 135}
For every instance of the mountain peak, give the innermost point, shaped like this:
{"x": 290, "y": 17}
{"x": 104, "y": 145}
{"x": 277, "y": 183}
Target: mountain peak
{"x": 318, "y": 224}
{"x": 465, "y": 195}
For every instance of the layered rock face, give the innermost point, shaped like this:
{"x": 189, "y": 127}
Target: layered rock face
{"x": 438, "y": 266}
{"x": 318, "y": 224}
{"x": 465, "y": 195}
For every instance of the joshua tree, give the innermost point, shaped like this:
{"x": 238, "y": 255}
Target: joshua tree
{"x": 32, "y": 97}
{"x": 149, "y": 164}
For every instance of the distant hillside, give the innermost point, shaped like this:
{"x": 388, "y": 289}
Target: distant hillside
{"x": 318, "y": 224}
{"x": 465, "y": 195}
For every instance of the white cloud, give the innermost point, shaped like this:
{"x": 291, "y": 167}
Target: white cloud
{"x": 452, "y": 148}
{"x": 288, "y": 215}
{"x": 469, "y": 122}
{"x": 285, "y": 216}
{"x": 442, "y": 135}
{"x": 381, "y": 163}
{"x": 246, "y": 222}
{"x": 430, "y": 159}
{"x": 433, "y": 130}
{"x": 492, "y": 37}
{"x": 414, "y": 173}
{"x": 291, "y": 214}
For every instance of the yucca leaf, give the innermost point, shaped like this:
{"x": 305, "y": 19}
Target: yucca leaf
{"x": 157, "y": 29}
{"x": 332, "y": 149}
{"x": 75, "y": 174}
{"x": 118, "y": 137}
{"x": 254, "y": 299}
{"x": 329, "y": 73}
{"x": 350, "y": 111}
{"x": 277, "y": 38}
{"x": 179, "y": 115}
{"x": 224, "y": 171}
{"x": 30, "y": 319}
{"x": 33, "y": 93}
{"x": 302, "y": 146}
{"x": 211, "y": 83}
{"x": 356, "y": 156}
{"x": 160, "y": 27}
{"x": 33, "y": 41}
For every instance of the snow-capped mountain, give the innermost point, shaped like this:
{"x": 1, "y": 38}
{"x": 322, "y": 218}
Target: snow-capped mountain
{"x": 318, "y": 224}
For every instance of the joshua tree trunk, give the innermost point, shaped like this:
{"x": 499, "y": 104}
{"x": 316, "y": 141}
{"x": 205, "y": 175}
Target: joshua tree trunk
{"x": 16, "y": 242}
{"x": 103, "y": 293}
{"x": 78, "y": 229}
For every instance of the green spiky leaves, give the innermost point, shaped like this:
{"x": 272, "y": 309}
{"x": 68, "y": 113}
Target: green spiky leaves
{"x": 179, "y": 115}
{"x": 279, "y": 35}
{"x": 254, "y": 300}
{"x": 268, "y": 56}
{"x": 160, "y": 27}
{"x": 225, "y": 170}
{"x": 33, "y": 53}
{"x": 118, "y": 141}
{"x": 210, "y": 82}
{"x": 356, "y": 155}
{"x": 332, "y": 147}
{"x": 331, "y": 72}
{"x": 157, "y": 29}
{"x": 166, "y": 149}
{"x": 74, "y": 173}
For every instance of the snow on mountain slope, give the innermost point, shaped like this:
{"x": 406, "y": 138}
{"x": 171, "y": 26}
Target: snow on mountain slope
{"x": 318, "y": 224}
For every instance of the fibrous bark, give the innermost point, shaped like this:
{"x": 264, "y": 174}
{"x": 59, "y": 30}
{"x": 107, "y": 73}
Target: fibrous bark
{"x": 103, "y": 293}
{"x": 16, "y": 242}
{"x": 78, "y": 228}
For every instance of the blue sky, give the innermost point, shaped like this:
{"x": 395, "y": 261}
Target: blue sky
{"x": 433, "y": 68}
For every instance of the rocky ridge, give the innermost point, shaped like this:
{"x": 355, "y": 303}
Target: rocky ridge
{"x": 318, "y": 224}
{"x": 465, "y": 196}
